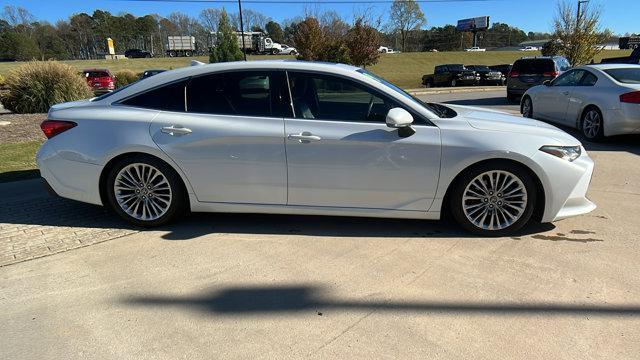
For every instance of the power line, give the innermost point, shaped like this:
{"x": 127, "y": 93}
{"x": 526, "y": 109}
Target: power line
{"x": 318, "y": 2}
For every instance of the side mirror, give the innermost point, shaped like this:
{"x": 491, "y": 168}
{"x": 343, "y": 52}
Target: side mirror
{"x": 547, "y": 83}
{"x": 399, "y": 118}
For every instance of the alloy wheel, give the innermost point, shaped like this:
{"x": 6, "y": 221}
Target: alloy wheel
{"x": 142, "y": 191}
{"x": 591, "y": 124}
{"x": 494, "y": 200}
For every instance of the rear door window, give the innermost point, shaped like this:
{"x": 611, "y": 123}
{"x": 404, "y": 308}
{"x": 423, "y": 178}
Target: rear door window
{"x": 249, "y": 93}
{"x": 168, "y": 97}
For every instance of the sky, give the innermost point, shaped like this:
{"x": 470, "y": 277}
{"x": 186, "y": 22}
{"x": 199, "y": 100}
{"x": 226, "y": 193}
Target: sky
{"x": 620, "y": 16}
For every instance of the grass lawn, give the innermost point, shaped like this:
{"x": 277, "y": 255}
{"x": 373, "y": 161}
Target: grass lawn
{"x": 404, "y": 70}
{"x": 17, "y": 161}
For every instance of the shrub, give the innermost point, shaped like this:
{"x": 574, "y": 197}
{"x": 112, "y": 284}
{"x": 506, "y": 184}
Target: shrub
{"x": 36, "y": 85}
{"x": 3, "y": 81}
{"x": 125, "y": 77}
{"x": 551, "y": 48}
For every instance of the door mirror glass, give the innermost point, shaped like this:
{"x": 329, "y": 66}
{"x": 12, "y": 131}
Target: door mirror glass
{"x": 399, "y": 118}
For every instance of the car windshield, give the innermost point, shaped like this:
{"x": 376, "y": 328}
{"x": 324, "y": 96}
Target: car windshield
{"x": 626, "y": 75}
{"x": 384, "y": 82}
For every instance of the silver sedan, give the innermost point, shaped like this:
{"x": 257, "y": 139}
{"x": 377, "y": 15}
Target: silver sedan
{"x": 599, "y": 100}
{"x": 308, "y": 138}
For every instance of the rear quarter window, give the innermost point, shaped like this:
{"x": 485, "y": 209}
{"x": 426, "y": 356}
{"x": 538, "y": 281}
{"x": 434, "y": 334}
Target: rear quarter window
{"x": 168, "y": 97}
{"x": 625, "y": 76}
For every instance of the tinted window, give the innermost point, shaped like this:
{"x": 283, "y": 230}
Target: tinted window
{"x": 168, "y": 97}
{"x": 327, "y": 97}
{"x": 625, "y": 76}
{"x": 533, "y": 66}
{"x": 588, "y": 79}
{"x": 231, "y": 93}
{"x": 571, "y": 78}
{"x": 456, "y": 67}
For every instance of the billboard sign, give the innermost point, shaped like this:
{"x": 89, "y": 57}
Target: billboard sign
{"x": 473, "y": 24}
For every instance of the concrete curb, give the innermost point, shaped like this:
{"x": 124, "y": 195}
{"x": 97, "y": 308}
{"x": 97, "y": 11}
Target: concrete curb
{"x": 432, "y": 91}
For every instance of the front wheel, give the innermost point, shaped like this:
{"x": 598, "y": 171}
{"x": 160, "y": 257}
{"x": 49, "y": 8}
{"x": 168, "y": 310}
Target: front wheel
{"x": 494, "y": 199}
{"x": 145, "y": 191}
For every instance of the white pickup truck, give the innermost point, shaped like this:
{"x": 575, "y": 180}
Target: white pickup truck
{"x": 475, "y": 48}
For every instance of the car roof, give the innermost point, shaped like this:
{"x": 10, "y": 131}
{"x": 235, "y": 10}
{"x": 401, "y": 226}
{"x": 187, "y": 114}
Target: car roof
{"x": 169, "y": 76}
{"x": 107, "y": 70}
{"x": 611, "y": 66}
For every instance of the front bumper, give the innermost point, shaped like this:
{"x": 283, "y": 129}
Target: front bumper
{"x": 566, "y": 185}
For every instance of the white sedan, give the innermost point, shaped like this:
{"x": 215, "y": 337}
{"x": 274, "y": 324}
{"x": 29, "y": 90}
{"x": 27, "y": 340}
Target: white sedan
{"x": 307, "y": 138}
{"x": 599, "y": 100}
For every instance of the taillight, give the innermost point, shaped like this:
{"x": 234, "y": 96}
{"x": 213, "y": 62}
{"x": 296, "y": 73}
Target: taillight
{"x": 551, "y": 73}
{"x": 51, "y": 128}
{"x": 514, "y": 74}
{"x": 632, "y": 97}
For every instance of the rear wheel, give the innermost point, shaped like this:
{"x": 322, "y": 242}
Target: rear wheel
{"x": 454, "y": 83}
{"x": 592, "y": 124}
{"x": 527, "y": 107}
{"x": 494, "y": 199}
{"x": 145, "y": 191}
{"x": 511, "y": 97}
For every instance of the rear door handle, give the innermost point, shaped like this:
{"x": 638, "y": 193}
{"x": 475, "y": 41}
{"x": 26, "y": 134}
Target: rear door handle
{"x": 176, "y": 130}
{"x": 304, "y": 137}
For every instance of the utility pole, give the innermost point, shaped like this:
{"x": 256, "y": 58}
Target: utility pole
{"x": 580, "y": 2}
{"x": 244, "y": 49}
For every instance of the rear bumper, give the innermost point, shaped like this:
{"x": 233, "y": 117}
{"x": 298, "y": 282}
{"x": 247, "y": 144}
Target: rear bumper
{"x": 625, "y": 120}
{"x": 67, "y": 178}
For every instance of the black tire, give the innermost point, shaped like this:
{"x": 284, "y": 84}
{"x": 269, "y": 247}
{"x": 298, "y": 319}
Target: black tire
{"x": 587, "y": 131}
{"x": 459, "y": 187}
{"x": 511, "y": 97}
{"x": 454, "y": 83}
{"x": 527, "y": 111}
{"x": 179, "y": 198}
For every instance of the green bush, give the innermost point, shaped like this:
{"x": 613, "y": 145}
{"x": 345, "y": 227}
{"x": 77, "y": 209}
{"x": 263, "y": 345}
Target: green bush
{"x": 3, "y": 81}
{"x": 125, "y": 77}
{"x": 36, "y": 85}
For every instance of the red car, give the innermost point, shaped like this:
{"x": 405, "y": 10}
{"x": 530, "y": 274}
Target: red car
{"x": 100, "y": 80}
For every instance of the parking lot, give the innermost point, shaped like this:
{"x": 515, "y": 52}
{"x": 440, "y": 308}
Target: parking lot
{"x": 79, "y": 283}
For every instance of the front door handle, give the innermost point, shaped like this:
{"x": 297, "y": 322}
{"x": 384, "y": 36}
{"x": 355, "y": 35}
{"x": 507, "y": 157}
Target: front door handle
{"x": 175, "y": 130}
{"x": 304, "y": 137}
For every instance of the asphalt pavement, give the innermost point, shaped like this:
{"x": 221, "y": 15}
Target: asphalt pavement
{"x": 237, "y": 286}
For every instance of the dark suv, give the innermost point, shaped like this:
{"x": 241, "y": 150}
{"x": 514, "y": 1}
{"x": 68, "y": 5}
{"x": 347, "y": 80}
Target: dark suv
{"x": 529, "y": 72}
{"x": 487, "y": 76}
{"x": 137, "y": 53}
{"x": 451, "y": 75}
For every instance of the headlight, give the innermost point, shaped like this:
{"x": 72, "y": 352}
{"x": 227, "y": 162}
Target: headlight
{"x": 569, "y": 153}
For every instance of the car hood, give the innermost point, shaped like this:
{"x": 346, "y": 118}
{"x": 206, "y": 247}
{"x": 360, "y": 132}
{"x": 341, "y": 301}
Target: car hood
{"x": 493, "y": 120}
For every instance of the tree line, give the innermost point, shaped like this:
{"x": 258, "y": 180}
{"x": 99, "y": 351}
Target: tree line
{"x": 83, "y": 36}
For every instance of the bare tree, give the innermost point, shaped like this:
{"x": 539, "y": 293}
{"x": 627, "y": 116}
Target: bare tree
{"x": 405, "y": 17}
{"x": 210, "y": 18}
{"x": 579, "y": 35}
